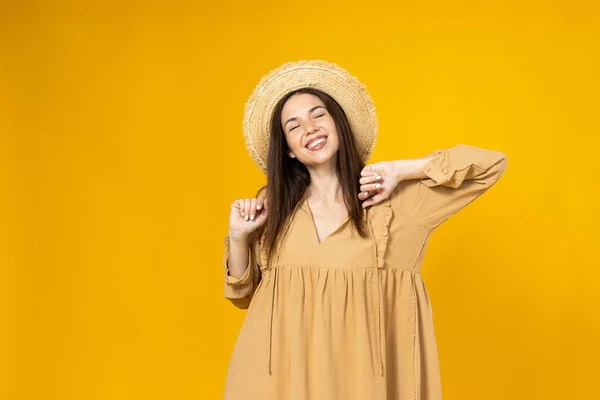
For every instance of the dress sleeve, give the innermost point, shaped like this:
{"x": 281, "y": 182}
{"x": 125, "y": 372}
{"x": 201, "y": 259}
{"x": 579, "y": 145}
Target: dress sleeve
{"x": 456, "y": 177}
{"x": 240, "y": 290}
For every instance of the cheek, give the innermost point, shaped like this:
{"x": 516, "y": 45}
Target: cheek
{"x": 333, "y": 131}
{"x": 294, "y": 142}
{"x": 331, "y": 126}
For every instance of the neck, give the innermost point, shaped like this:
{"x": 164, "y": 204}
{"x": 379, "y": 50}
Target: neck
{"x": 324, "y": 186}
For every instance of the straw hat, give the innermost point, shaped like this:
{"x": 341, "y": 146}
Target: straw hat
{"x": 328, "y": 77}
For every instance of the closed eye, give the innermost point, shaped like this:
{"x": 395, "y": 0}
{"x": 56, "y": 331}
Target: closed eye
{"x": 318, "y": 116}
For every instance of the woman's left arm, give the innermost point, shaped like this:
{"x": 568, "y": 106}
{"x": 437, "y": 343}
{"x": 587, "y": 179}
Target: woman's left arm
{"x": 430, "y": 189}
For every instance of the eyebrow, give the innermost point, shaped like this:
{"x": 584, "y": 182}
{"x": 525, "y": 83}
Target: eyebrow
{"x": 309, "y": 111}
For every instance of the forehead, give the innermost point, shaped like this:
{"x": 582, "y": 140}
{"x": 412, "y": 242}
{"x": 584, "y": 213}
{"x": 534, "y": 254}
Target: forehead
{"x": 300, "y": 103}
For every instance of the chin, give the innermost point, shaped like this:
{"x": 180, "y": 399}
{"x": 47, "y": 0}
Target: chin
{"x": 324, "y": 160}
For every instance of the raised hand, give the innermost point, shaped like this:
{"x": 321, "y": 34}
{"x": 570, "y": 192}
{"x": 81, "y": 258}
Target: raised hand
{"x": 246, "y": 216}
{"x": 377, "y": 182}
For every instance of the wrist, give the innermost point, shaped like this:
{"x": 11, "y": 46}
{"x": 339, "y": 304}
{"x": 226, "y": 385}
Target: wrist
{"x": 409, "y": 169}
{"x": 238, "y": 237}
{"x": 400, "y": 170}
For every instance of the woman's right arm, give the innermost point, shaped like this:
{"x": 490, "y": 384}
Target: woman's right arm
{"x": 242, "y": 269}
{"x": 237, "y": 262}
{"x": 241, "y": 272}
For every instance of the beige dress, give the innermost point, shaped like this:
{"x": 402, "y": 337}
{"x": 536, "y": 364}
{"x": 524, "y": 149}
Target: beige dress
{"x": 350, "y": 318}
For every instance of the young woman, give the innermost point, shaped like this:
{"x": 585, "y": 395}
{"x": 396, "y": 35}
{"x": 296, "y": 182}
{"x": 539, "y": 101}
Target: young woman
{"x": 327, "y": 257}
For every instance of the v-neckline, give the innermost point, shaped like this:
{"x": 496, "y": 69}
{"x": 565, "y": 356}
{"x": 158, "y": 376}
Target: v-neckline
{"x": 306, "y": 206}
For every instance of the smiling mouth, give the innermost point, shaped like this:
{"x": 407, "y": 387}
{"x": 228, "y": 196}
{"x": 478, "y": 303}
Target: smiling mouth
{"x": 316, "y": 143}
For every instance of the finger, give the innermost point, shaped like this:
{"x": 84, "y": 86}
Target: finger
{"x": 366, "y": 171}
{"x": 369, "y": 179}
{"x": 253, "y": 208}
{"x": 366, "y": 194}
{"x": 240, "y": 206}
{"x": 247, "y": 209}
{"x": 259, "y": 203}
{"x": 374, "y": 200}
{"x": 263, "y": 210}
{"x": 266, "y": 205}
{"x": 370, "y": 187}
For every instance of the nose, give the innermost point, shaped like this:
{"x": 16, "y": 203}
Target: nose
{"x": 311, "y": 128}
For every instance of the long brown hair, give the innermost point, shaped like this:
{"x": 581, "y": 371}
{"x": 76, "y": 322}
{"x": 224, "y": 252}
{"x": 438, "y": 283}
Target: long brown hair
{"x": 288, "y": 178}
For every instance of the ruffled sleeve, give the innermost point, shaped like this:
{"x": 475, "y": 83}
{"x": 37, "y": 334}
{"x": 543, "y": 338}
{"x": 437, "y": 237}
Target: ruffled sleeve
{"x": 240, "y": 290}
{"x": 455, "y": 177}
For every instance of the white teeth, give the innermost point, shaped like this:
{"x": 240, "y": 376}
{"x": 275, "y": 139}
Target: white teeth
{"x": 315, "y": 143}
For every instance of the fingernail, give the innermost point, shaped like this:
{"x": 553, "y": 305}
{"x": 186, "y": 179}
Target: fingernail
{"x": 258, "y": 207}
{"x": 378, "y": 185}
{"x": 246, "y": 217}
{"x": 252, "y": 217}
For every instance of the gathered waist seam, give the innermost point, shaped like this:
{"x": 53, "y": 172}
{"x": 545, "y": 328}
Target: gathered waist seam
{"x": 339, "y": 268}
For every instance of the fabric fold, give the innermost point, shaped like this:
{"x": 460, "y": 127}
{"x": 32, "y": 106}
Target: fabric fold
{"x": 381, "y": 236}
{"x": 274, "y": 278}
{"x": 451, "y": 167}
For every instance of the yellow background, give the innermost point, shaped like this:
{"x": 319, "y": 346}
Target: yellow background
{"x": 121, "y": 150}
